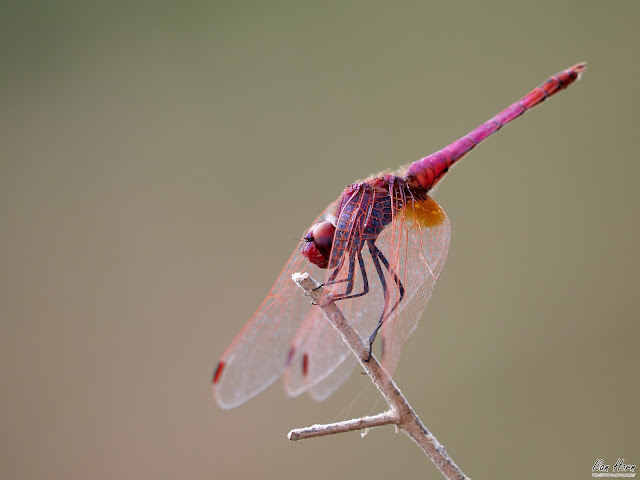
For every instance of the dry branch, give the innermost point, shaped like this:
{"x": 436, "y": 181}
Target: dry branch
{"x": 400, "y": 412}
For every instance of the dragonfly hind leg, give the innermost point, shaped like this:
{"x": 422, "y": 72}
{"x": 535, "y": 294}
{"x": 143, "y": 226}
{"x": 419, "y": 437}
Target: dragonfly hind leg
{"x": 377, "y": 256}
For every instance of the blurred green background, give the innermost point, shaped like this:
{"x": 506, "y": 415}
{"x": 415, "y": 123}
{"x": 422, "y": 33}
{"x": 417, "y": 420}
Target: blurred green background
{"x": 159, "y": 160}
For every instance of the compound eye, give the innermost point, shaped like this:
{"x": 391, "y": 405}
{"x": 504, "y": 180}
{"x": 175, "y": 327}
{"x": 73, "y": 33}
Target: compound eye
{"x": 317, "y": 243}
{"x": 323, "y": 237}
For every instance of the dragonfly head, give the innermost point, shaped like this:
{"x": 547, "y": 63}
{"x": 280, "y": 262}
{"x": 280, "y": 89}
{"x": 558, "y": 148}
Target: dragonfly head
{"x": 317, "y": 243}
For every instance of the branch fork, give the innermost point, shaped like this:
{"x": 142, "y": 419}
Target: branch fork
{"x": 400, "y": 412}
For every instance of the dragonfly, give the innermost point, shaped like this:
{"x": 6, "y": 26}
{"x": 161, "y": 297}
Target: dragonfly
{"x": 380, "y": 248}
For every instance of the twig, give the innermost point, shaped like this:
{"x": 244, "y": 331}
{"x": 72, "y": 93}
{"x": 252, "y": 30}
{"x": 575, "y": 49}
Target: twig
{"x": 400, "y": 412}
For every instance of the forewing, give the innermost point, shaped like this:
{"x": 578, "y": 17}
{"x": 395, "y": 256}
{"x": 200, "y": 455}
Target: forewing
{"x": 321, "y": 360}
{"x": 285, "y": 333}
{"x": 258, "y": 354}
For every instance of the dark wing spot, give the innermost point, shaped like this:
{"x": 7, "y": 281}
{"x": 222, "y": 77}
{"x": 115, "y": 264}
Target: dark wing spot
{"x": 218, "y": 373}
{"x": 290, "y": 355}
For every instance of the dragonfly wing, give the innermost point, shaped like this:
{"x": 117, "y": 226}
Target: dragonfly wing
{"x": 317, "y": 352}
{"x": 258, "y": 355}
{"x": 286, "y": 335}
{"x": 338, "y": 376}
{"x": 417, "y": 244}
{"x": 297, "y": 379}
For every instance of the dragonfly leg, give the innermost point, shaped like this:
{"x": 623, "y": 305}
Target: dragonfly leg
{"x": 375, "y": 253}
{"x": 395, "y": 279}
{"x": 332, "y": 279}
{"x": 377, "y": 256}
{"x": 351, "y": 280}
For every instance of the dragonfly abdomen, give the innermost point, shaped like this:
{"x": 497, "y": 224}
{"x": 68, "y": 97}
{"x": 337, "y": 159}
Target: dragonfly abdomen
{"x": 423, "y": 174}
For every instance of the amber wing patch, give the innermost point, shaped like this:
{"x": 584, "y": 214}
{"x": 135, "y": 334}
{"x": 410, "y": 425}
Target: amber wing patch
{"x": 426, "y": 213}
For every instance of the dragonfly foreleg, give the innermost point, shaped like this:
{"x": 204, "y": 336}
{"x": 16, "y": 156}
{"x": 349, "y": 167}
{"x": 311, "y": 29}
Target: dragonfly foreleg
{"x": 351, "y": 279}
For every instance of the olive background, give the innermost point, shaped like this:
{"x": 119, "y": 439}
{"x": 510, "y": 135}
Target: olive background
{"x": 159, "y": 162}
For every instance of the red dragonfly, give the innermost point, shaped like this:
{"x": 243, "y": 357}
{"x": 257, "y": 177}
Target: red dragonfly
{"x": 383, "y": 243}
